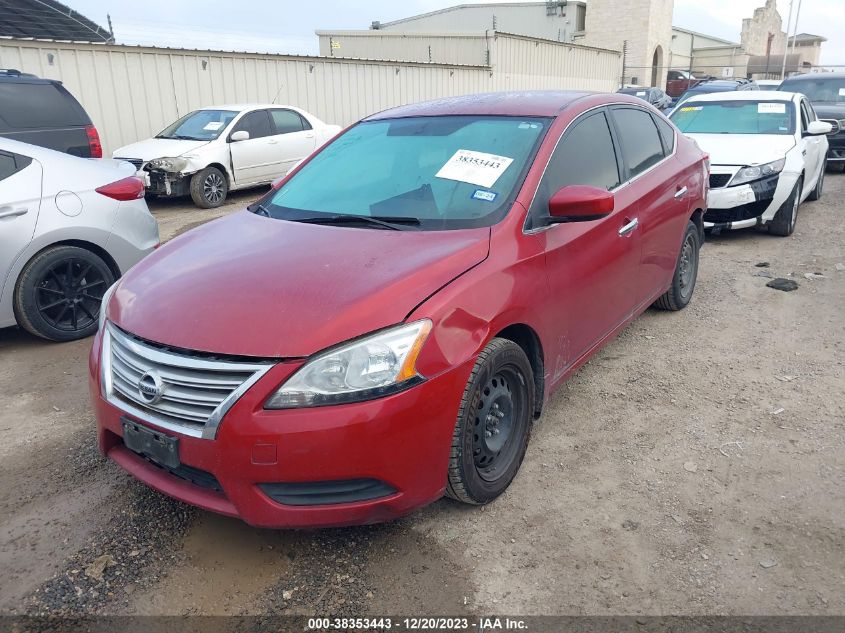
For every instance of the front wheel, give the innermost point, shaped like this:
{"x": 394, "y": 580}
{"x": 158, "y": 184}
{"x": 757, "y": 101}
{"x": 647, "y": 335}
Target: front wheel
{"x": 686, "y": 272}
{"x": 783, "y": 224}
{"x": 209, "y": 188}
{"x": 493, "y": 426}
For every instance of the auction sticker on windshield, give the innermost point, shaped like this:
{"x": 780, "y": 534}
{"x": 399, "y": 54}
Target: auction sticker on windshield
{"x": 476, "y": 168}
{"x": 771, "y": 108}
{"x": 213, "y": 126}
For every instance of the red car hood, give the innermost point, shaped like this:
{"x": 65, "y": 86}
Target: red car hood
{"x": 256, "y": 286}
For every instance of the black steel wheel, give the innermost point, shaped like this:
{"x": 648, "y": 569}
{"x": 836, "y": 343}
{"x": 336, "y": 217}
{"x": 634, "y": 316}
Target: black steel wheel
{"x": 494, "y": 424}
{"x": 59, "y": 292}
{"x": 686, "y": 272}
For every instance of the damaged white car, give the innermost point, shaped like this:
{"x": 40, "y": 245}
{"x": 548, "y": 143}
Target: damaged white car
{"x": 767, "y": 155}
{"x": 212, "y": 151}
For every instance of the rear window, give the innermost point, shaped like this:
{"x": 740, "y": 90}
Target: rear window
{"x": 39, "y": 105}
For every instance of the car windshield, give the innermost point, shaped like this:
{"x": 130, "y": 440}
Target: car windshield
{"x": 436, "y": 173}
{"x": 735, "y": 117}
{"x": 818, "y": 89}
{"x": 201, "y": 125}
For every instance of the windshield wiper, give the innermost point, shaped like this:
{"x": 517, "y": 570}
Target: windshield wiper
{"x": 384, "y": 221}
{"x": 259, "y": 209}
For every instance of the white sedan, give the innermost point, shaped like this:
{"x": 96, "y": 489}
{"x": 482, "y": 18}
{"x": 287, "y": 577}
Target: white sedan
{"x": 212, "y": 151}
{"x": 767, "y": 154}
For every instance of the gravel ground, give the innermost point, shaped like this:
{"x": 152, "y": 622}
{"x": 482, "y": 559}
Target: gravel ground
{"x": 694, "y": 466}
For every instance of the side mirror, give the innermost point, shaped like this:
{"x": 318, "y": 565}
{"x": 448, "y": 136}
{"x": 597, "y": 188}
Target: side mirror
{"x": 835, "y": 125}
{"x": 818, "y": 128}
{"x": 240, "y": 135}
{"x": 580, "y": 203}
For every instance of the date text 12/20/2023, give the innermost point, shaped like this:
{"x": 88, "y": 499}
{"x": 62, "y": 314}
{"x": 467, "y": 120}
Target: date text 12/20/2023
{"x": 419, "y": 624}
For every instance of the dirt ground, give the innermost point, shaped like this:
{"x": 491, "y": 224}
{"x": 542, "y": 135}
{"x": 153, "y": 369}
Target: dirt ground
{"x": 694, "y": 466}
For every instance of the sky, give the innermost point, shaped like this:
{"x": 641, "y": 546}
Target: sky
{"x": 287, "y": 26}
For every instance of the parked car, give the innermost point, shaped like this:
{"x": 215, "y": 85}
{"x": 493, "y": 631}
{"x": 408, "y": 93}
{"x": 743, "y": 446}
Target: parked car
{"x": 212, "y": 151}
{"x": 42, "y": 112}
{"x": 716, "y": 85}
{"x": 68, "y": 228}
{"x": 679, "y": 81}
{"x": 826, "y": 91}
{"x": 654, "y": 96}
{"x": 385, "y": 324}
{"x": 767, "y": 153}
{"x": 768, "y": 84}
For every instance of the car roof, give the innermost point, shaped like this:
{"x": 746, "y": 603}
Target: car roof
{"x": 541, "y": 103}
{"x": 811, "y": 76}
{"x": 241, "y": 107}
{"x": 746, "y": 95}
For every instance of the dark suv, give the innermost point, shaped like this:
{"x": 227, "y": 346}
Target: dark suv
{"x": 826, "y": 91}
{"x": 42, "y": 112}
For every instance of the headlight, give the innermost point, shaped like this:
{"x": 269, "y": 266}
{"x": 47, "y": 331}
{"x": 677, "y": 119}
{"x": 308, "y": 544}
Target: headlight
{"x": 169, "y": 164}
{"x": 747, "y": 174}
{"x": 101, "y": 319}
{"x": 368, "y": 368}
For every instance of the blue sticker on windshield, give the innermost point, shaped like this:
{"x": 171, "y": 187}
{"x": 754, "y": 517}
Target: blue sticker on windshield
{"x": 482, "y": 194}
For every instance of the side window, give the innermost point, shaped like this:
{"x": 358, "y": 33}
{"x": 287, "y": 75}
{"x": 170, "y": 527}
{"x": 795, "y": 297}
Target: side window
{"x": 287, "y": 121}
{"x": 585, "y": 156}
{"x": 256, "y": 123}
{"x": 810, "y": 112}
{"x": 667, "y": 135}
{"x": 640, "y": 141}
{"x": 805, "y": 117}
{"x": 12, "y": 163}
{"x": 674, "y": 74}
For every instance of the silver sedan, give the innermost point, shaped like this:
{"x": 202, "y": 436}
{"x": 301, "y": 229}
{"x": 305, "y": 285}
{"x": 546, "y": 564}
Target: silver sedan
{"x": 69, "y": 227}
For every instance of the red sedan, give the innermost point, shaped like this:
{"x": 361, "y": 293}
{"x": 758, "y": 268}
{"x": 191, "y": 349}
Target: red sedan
{"x": 383, "y": 326}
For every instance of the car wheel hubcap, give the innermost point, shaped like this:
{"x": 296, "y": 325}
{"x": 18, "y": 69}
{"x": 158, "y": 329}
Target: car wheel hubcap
{"x": 494, "y": 438}
{"x": 687, "y": 266}
{"x": 69, "y": 295}
{"x": 213, "y": 188}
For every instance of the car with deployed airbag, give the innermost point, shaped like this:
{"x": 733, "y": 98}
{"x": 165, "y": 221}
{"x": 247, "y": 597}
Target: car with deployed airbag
{"x": 385, "y": 325}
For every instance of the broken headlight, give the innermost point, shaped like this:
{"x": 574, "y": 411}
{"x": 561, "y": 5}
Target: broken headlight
{"x": 169, "y": 164}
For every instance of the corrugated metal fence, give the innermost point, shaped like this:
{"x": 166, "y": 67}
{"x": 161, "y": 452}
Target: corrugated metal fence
{"x": 134, "y": 92}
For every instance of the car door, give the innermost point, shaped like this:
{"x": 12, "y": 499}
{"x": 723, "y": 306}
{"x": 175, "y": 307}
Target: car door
{"x": 813, "y": 147}
{"x": 20, "y": 200}
{"x": 255, "y": 159}
{"x": 294, "y": 135}
{"x": 591, "y": 267}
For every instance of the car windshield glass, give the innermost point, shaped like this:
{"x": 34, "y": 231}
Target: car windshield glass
{"x": 439, "y": 172}
{"x": 735, "y": 117}
{"x": 818, "y": 90}
{"x": 202, "y": 125}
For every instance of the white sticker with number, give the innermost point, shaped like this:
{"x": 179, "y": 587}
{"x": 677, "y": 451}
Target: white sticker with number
{"x": 213, "y": 126}
{"x": 771, "y": 108}
{"x": 476, "y": 168}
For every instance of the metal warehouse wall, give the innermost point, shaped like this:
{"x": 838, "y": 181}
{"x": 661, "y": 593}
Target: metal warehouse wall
{"x": 441, "y": 48}
{"x": 134, "y": 92}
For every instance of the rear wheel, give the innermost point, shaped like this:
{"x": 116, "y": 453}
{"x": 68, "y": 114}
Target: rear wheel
{"x": 59, "y": 292}
{"x": 816, "y": 193}
{"x": 209, "y": 188}
{"x": 783, "y": 224}
{"x": 686, "y": 272}
{"x": 493, "y": 426}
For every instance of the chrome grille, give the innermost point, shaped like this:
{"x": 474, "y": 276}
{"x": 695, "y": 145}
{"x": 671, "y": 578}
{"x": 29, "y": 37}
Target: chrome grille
{"x": 136, "y": 162}
{"x": 193, "y": 393}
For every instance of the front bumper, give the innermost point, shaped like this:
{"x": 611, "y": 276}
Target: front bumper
{"x": 751, "y": 204}
{"x": 164, "y": 183}
{"x": 836, "y": 148}
{"x": 401, "y": 441}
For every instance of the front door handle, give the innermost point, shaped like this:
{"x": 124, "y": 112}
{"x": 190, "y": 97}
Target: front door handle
{"x": 272, "y": 141}
{"x": 9, "y": 212}
{"x": 680, "y": 193}
{"x": 628, "y": 228}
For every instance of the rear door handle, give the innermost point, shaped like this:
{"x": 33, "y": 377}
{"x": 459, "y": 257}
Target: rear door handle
{"x": 9, "y": 212}
{"x": 680, "y": 193}
{"x": 272, "y": 141}
{"x": 309, "y": 136}
{"x": 628, "y": 228}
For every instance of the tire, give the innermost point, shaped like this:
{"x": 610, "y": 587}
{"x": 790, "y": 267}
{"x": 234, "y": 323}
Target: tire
{"x": 500, "y": 397}
{"x": 783, "y": 224}
{"x": 686, "y": 272}
{"x": 58, "y": 293}
{"x": 816, "y": 193}
{"x": 209, "y": 188}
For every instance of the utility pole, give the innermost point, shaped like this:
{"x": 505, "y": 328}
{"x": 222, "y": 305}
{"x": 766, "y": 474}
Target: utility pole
{"x": 795, "y": 27}
{"x": 786, "y": 48}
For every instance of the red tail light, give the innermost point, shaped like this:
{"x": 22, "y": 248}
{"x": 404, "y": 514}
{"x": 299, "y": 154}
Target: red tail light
{"x": 130, "y": 188}
{"x": 94, "y": 142}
